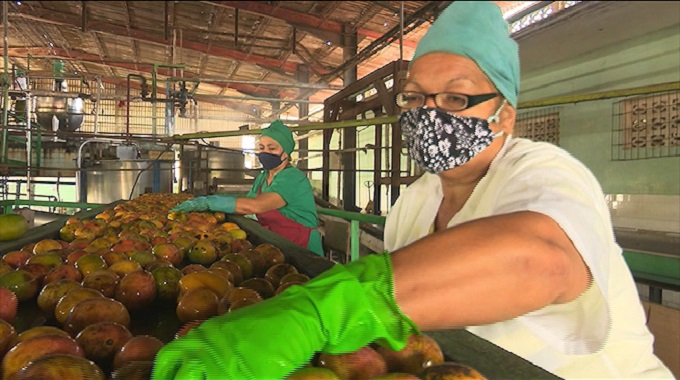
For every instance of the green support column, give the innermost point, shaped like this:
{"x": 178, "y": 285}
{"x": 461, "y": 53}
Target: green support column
{"x": 354, "y": 240}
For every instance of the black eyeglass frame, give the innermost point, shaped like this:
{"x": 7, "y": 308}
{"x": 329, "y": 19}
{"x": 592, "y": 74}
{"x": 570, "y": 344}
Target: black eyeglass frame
{"x": 471, "y": 100}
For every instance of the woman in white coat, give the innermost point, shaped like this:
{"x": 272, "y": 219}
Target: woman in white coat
{"x": 508, "y": 238}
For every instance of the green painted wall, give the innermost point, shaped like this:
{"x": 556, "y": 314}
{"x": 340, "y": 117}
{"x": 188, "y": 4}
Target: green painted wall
{"x": 586, "y": 127}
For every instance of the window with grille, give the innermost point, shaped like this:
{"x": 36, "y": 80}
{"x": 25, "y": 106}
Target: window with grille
{"x": 647, "y": 127}
{"x": 539, "y": 125}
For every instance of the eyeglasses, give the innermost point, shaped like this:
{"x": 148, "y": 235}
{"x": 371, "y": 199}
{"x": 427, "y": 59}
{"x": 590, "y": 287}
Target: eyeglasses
{"x": 448, "y": 101}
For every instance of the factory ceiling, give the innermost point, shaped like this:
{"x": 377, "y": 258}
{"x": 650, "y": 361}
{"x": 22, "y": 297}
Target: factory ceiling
{"x": 252, "y": 56}
{"x": 261, "y": 50}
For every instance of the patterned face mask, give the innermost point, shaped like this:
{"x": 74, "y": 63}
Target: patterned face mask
{"x": 439, "y": 141}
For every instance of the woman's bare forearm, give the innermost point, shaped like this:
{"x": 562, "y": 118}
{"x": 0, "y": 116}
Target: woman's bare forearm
{"x": 487, "y": 270}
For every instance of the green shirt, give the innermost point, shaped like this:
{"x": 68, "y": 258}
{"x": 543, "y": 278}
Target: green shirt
{"x": 296, "y": 190}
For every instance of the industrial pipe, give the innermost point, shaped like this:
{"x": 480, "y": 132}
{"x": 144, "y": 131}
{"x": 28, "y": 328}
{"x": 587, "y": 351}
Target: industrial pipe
{"x": 98, "y": 81}
{"x": 663, "y": 87}
{"x": 300, "y": 127}
{"x": 154, "y": 85}
{"x": 127, "y": 102}
{"x": 70, "y": 95}
{"x": 154, "y": 75}
{"x": 5, "y": 87}
{"x": 302, "y": 101}
{"x": 29, "y": 146}
{"x": 318, "y": 86}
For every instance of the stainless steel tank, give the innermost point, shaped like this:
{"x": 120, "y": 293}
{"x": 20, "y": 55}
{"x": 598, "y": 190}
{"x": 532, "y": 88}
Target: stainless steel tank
{"x": 68, "y": 111}
{"x": 212, "y": 165}
{"x": 106, "y": 181}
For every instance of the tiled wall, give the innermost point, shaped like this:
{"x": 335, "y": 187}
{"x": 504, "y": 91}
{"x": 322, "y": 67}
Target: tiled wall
{"x": 645, "y": 212}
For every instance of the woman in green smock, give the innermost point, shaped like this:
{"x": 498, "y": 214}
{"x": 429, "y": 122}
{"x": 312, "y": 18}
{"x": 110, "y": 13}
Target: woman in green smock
{"x": 281, "y": 197}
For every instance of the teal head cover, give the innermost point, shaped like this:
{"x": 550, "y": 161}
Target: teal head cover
{"x": 477, "y": 30}
{"x": 281, "y": 134}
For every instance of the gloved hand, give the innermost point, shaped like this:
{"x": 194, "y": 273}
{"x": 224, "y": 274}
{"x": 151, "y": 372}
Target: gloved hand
{"x": 216, "y": 202}
{"x": 340, "y": 311}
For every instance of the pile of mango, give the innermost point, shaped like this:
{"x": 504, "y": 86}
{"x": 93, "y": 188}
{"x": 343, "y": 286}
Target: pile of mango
{"x": 99, "y": 301}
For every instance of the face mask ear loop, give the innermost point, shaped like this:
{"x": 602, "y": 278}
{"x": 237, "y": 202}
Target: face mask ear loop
{"x": 495, "y": 117}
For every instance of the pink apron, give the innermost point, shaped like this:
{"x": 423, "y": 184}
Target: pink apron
{"x": 276, "y": 222}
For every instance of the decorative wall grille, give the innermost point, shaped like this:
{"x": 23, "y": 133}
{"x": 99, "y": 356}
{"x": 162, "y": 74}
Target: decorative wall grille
{"x": 541, "y": 14}
{"x": 539, "y": 125}
{"x": 646, "y": 127}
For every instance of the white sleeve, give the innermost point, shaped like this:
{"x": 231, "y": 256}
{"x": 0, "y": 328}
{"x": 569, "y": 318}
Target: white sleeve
{"x": 562, "y": 188}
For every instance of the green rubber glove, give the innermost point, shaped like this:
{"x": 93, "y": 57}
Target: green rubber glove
{"x": 216, "y": 202}
{"x": 340, "y": 311}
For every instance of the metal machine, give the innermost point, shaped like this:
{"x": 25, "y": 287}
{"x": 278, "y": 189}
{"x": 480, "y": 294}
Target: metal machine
{"x": 115, "y": 171}
{"x": 204, "y": 169}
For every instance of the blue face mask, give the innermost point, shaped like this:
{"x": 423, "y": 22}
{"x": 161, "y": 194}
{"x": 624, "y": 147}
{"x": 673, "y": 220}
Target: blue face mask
{"x": 269, "y": 161}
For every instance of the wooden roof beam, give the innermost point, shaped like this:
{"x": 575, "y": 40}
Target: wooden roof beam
{"x": 61, "y": 18}
{"x": 59, "y": 53}
{"x": 303, "y": 21}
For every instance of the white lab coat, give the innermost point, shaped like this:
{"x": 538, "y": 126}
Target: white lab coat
{"x": 603, "y": 333}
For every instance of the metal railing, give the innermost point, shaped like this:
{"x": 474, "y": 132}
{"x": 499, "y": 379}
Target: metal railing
{"x": 354, "y": 219}
{"x": 7, "y": 205}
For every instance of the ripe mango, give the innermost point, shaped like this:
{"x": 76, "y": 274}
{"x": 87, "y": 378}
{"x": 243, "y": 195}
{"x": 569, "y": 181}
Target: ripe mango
{"x": 67, "y": 301}
{"x": 52, "y": 292}
{"x": 9, "y": 304}
{"x": 137, "y": 370}
{"x": 59, "y": 367}
{"x": 93, "y": 310}
{"x": 205, "y": 279}
{"x": 40, "y": 331}
{"x": 277, "y": 271}
{"x": 31, "y": 349}
{"x": 365, "y": 363}
{"x": 12, "y": 227}
{"x": 451, "y": 370}
{"x": 7, "y": 336}
{"x": 137, "y": 290}
{"x": 197, "y": 304}
{"x": 138, "y": 349}
{"x": 421, "y": 351}
{"x": 272, "y": 254}
{"x": 24, "y": 284}
{"x": 100, "y": 341}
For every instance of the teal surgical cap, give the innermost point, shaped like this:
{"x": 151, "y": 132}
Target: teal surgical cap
{"x": 477, "y": 30}
{"x": 278, "y": 132}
